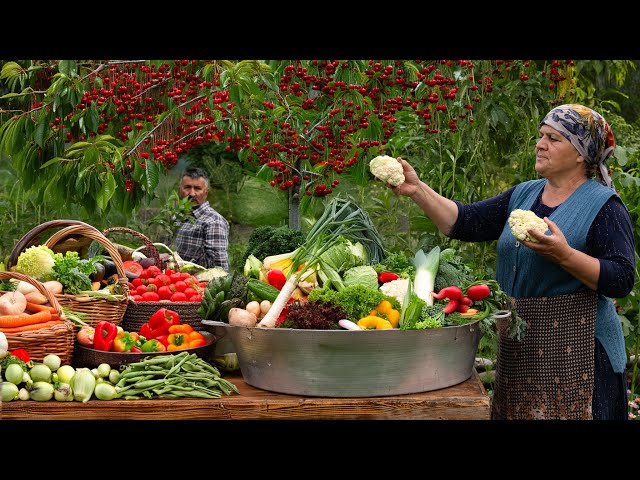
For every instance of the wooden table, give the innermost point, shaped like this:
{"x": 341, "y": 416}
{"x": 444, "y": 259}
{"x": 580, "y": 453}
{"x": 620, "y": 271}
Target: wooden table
{"x": 465, "y": 401}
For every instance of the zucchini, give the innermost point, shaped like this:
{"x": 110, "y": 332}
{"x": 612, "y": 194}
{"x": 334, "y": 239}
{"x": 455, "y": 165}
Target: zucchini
{"x": 262, "y": 290}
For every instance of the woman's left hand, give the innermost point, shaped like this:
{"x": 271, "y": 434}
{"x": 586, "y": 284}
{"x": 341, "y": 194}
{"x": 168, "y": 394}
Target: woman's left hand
{"x": 554, "y": 246}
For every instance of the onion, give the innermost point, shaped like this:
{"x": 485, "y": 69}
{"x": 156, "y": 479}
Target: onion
{"x": 348, "y": 324}
{"x": 103, "y": 370}
{"x": 23, "y": 394}
{"x": 52, "y": 361}
{"x": 14, "y": 373}
{"x": 105, "y": 391}
{"x": 65, "y": 373}
{"x": 40, "y": 373}
{"x": 41, "y": 391}
{"x": 8, "y": 391}
{"x": 63, "y": 393}
{"x": 83, "y": 383}
{"x": 114, "y": 376}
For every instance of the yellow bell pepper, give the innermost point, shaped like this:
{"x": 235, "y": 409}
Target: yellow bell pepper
{"x": 374, "y": 322}
{"x": 386, "y": 310}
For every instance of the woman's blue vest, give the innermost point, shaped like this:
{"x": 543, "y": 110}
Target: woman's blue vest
{"x": 521, "y": 272}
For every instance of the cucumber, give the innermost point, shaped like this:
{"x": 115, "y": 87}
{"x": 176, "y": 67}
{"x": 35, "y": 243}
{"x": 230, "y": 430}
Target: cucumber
{"x": 262, "y": 290}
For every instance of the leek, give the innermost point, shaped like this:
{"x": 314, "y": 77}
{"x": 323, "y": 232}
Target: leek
{"x": 426, "y": 271}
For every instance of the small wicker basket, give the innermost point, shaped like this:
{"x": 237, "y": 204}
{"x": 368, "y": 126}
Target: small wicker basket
{"x": 58, "y": 339}
{"x": 149, "y": 250}
{"x": 138, "y": 314}
{"x": 95, "y": 309}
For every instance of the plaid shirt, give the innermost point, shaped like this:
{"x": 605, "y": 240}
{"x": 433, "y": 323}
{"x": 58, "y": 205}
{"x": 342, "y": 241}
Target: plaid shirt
{"x": 204, "y": 241}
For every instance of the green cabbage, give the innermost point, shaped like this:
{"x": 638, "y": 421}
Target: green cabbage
{"x": 36, "y": 262}
{"x": 364, "y": 275}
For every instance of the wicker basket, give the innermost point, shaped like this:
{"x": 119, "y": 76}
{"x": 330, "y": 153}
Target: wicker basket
{"x": 138, "y": 313}
{"x": 149, "y": 249}
{"x": 58, "y": 339}
{"x": 96, "y": 309}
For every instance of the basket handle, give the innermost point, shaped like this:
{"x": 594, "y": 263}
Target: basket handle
{"x": 151, "y": 248}
{"x": 41, "y": 288}
{"x": 96, "y": 235}
{"x": 35, "y": 232}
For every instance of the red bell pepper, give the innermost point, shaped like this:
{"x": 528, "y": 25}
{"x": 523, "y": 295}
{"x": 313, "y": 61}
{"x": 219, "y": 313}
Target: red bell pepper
{"x": 276, "y": 278}
{"x": 104, "y": 335}
{"x": 22, "y": 354}
{"x": 385, "y": 277}
{"x": 163, "y": 319}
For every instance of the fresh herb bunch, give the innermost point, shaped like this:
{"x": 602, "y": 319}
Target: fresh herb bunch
{"x": 74, "y": 272}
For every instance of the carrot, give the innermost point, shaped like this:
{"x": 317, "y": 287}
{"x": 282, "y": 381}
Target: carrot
{"x": 35, "y": 308}
{"x": 34, "y": 326}
{"x": 22, "y": 319}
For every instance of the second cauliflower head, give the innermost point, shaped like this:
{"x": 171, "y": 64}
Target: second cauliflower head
{"x": 387, "y": 169}
{"x": 522, "y": 220}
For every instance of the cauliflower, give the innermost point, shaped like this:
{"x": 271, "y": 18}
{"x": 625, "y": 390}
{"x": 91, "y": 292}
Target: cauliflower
{"x": 396, "y": 288}
{"x": 387, "y": 169}
{"x": 36, "y": 262}
{"x": 522, "y": 220}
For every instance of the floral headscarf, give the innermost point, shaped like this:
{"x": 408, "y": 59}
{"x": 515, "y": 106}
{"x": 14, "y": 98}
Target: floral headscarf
{"x": 587, "y": 131}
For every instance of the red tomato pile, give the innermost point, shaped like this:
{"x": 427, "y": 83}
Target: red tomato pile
{"x": 154, "y": 285}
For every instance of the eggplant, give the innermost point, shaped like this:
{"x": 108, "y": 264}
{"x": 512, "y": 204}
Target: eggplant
{"x": 109, "y": 267}
{"x": 98, "y": 275}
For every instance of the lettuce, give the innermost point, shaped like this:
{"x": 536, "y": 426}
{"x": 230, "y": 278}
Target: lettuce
{"x": 37, "y": 262}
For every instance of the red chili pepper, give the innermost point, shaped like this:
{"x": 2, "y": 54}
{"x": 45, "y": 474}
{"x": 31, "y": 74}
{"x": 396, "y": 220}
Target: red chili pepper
{"x": 452, "y": 293}
{"x": 478, "y": 292}
{"x": 135, "y": 350}
{"x": 22, "y": 354}
{"x": 104, "y": 335}
{"x": 276, "y": 278}
{"x": 465, "y": 301}
{"x": 462, "y": 308}
{"x": 451, "y": 307}
{"x": 385, "y": 277}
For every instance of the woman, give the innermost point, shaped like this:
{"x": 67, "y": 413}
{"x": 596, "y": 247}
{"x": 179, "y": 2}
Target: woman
{"x": 571, "y": 362}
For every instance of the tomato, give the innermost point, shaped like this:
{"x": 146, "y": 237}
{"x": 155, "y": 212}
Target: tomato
{"x": 178, "y": 297}
{"x": 180, "y": 286}
{"x": 150, "y": 297}
{"x": 164, "y": 292}
{"x": 136, "y": 282}
{"x": 140, "y": 289}
{"x": 162, "y": 279}
{"x": 154, "y": 270}
{"x": 137, "y": 298}
{"x": 195, "y": 298}
{"x": 133, "y": 266}
{"x": 189, "y": 292}
{"x": 175, "y": 277}
{"x": 152, "y": 287}
{"x": 203, "y": 284}
{"x": 169, "y": 271}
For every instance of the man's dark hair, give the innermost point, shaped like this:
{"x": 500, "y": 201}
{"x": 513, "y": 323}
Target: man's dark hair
{"x": 196, "y": 173}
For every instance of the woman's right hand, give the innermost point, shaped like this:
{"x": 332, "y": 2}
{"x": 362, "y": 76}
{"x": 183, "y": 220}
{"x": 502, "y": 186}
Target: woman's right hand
{"x": 411, "y": 181}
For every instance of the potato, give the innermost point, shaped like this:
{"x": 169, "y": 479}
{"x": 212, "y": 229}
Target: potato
{"x": 242, "y": 318}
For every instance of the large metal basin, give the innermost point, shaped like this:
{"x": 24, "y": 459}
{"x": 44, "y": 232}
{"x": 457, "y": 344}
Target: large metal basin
{"x": 347, "y": 363}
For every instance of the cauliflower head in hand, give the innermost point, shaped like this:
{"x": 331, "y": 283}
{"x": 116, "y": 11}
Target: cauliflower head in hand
{"x": 387, "y": 169}
{"x": 522, "y": 220}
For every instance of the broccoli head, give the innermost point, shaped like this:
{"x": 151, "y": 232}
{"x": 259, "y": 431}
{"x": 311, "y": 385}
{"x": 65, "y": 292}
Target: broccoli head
{"x": 266, "y": 240}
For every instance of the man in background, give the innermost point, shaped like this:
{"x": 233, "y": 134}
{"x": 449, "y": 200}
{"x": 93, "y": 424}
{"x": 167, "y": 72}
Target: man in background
{"x": 204, "y": 241}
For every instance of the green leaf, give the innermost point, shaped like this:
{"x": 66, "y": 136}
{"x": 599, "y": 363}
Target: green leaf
{"x": 153, "y": 175}
{"x": 68, "y": 67}
{"x": 51, "y": 162}
{"x": 107, "y": 191}
{"x": 39, "y": 133}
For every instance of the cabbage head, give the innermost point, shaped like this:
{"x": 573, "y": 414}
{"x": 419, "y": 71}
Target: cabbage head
{"x": 37, "y": 262}
{"x": 364, "y": 275}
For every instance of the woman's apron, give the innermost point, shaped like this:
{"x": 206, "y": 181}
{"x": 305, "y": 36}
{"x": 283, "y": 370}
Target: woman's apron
{"x": 549, "y": 374}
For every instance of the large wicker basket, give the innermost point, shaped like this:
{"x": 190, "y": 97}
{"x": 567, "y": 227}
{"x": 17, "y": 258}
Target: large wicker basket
{"x": 138, "y": 313}
{"x": 149, "y": 250}
{"x": 94, "y": 309}
{"x": 58, "y": 339}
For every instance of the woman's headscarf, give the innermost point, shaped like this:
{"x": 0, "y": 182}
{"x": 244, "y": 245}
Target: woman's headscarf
{"x": 587, "y": 131}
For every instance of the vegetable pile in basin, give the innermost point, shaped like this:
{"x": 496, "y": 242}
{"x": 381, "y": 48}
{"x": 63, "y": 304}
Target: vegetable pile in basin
{"x": 341, "y": 277}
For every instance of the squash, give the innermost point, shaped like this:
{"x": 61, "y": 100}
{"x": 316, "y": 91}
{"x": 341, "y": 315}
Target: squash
{"x": 13, "y": 303}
